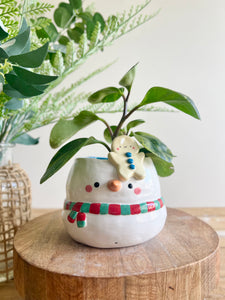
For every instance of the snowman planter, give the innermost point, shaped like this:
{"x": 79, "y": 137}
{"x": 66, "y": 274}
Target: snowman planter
{"x": 114, "y": 202}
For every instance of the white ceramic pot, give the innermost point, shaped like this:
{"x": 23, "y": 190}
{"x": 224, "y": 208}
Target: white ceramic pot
{"x": 102, "y": 211}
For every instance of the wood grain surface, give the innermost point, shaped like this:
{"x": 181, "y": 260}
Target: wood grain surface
{"x": 182, "y": 262}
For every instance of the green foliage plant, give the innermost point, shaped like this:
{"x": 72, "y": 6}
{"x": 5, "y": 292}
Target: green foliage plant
{"x": 37, "y": 54}
{"x": 154, "y": 148}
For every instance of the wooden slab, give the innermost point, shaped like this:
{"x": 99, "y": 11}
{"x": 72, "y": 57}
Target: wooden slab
{"x": 182, "y": 262}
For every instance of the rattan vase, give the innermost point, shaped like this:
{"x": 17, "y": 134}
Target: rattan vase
{"x": 15, "y": 208}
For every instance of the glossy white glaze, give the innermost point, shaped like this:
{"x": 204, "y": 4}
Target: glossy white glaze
{"x": 109, "y": 231}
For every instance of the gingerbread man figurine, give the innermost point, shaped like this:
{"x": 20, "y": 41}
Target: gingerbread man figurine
{"x": 126, "y": 159}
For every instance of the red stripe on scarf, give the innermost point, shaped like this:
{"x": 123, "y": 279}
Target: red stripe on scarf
{"x": 114, "y": 209}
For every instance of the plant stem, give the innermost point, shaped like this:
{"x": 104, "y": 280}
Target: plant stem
{"x": 109, "y": 128}
{"x": 124, "y": 116}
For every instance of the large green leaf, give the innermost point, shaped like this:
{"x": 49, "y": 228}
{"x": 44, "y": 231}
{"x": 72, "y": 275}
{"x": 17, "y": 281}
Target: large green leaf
{"x": 23, "y": 26}
{"x": 163, "y": 167}
{"x": 76, "y": 4}
{"x": 109, "y": 94}
{"x": 3, "y": 31}
{"x": 25, "y": 139}
{"x": 11, "y": 92}
{"x": 134, "y": 123}
{"x": 3, "y": 55}
{"x": 23, "y": 87}
{"x": 128, "y": 78}
{"x": 175, "y": 99}
{"x": 66, "y": 153}
{"x": 31, "y": 77}
{"x": 14, "y": 104}
{"x": 18, "y": 44}
{"x": 154, "y": 145}
{"x": 65, "y": 129}
{"x": 32, "y": 59}
{"x": 62, "y": 17}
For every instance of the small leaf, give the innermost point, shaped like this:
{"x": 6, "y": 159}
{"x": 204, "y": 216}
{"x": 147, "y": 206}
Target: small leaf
{"x": 63, "y": 40}
{"x": 107, "y": 134}
{"x": 175, "y": 99}
{"x": 90, "y": 28}
{"x": 109, "y": 94}
{"x": 134, "y": 123}
{"x": 32, "y": 59}
{"x": 62, "y": 17}
{"x": 65, "y": 129}
{"x": 18, "y": 44}
{"x": 66, "y": 153}
{"x": 25, "y": 139}
{"x": 163, "y": 167}
{"x": 75, "y": 34}
{"x": 85, "y": 16}
{"x": 128, "y": 78}
{"x": 76, "y": 4}
{"x": 99, "y": 18}
{"x": 67, "y": 6}
{"x": 14, "y": 104}
{"x": 31, "y": 77}
{"x": 154, "y": 145}
{"x": 49, "y": 31}
{"x": 22, "y": 87}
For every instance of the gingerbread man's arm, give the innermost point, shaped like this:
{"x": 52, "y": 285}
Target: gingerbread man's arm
{"x": 115, "y": 158}
{"x": 139, "y": 172}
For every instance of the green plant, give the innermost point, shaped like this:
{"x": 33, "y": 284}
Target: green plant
{"x": 18, "y": 82}
{"x": 160, "y": 154}
{"x": 64, "y": 43}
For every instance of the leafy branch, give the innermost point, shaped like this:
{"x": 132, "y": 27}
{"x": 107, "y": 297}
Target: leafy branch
{"x": 160, "y": 154}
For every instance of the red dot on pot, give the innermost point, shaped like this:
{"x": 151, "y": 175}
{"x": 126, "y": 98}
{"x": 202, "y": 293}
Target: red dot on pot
{"x": 137, "y": 191}
{"x": 88, "y": 188}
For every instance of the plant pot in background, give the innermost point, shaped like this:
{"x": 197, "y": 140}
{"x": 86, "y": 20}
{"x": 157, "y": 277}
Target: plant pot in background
{"x": 15, "y": 207}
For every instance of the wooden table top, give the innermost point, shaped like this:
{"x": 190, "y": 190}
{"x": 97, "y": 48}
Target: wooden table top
{"x": 213, "y": 216}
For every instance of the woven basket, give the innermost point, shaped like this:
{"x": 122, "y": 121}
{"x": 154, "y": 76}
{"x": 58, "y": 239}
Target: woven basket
{"x": 15, "y": 210}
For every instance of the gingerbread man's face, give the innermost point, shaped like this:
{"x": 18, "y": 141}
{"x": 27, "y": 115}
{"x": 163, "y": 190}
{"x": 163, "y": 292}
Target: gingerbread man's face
{"x": 123, "y": 144}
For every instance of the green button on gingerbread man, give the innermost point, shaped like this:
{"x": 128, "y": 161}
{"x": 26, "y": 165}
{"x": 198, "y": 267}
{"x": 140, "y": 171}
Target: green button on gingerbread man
{"x": 126, "y": 158}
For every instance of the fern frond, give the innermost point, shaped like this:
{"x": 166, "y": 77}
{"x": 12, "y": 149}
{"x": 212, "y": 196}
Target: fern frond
{"x": 37, "y": 8}
{"x": 45, "y": 69}
{"x": 40, "y": 23}
{"x": 82, "y": 46}
{"x": 58, "y": 63}
{"x": 7, "y": 3}
{"x": 9, "y": 11}
{"x": 70, "y": 55}
{"x": 95, "y": 36}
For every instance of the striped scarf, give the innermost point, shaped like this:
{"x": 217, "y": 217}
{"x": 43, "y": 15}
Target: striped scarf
{"x": 78, "y": 210}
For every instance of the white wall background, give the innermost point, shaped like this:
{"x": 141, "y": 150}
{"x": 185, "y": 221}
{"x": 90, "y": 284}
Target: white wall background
{"x": 183, "y": 48}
